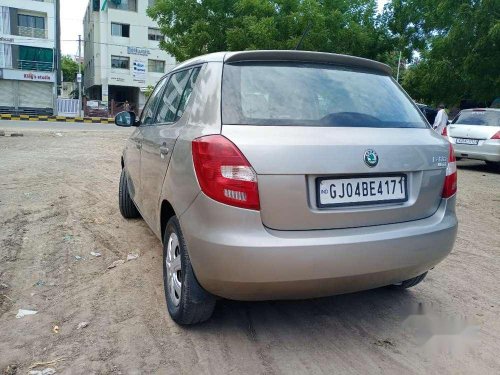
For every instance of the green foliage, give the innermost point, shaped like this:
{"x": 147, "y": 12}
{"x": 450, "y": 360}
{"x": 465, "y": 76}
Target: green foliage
{"x": 459, "y": 45}
{"x": 69, "y": 69}
{"x": 195, "y": 27}
{"x": 149, "y": 91}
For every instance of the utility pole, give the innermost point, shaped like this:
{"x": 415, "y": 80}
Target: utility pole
{"x": 399, "y": 64}
{"x": 58, "y": 46}
{"x": 79, "y": 75}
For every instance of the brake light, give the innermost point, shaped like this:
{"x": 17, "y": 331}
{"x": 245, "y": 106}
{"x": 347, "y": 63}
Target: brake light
{"x": 445, "y": 132}
{"x": 450, "y": 182}
{"x": 224, "y": 174}
{"x": 496, "y": 135}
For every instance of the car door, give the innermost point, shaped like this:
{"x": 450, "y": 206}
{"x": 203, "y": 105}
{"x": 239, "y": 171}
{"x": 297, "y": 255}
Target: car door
{"x": 159, "y": 138}
{"x": 132, "y": 153}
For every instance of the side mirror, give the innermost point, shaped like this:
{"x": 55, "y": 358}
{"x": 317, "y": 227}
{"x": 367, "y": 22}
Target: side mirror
{"x": 126, "y": 119}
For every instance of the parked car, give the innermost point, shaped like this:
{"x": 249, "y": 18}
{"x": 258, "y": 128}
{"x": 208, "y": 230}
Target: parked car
{"x": 429, "y": 112}
{"x": 286, "y": 174}
{"x": 495, "y": 103}
{"x": 475, "y": 134}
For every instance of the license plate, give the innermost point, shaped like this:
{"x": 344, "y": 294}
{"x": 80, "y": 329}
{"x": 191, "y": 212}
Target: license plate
{"x": 335, "y": 192}
{"x": 466, "y": 141}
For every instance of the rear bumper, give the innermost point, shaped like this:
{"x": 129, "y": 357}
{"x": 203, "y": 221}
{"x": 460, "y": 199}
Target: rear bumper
{"x": 488, "y": 150}
{"x": 235, "y": 256}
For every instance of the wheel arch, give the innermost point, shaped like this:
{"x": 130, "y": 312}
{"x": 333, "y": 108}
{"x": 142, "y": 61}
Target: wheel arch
{"x": 166, "y": 212}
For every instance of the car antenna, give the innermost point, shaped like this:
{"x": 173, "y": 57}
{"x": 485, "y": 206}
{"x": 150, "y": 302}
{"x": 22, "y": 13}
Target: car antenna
{"x": 306, "y": 31}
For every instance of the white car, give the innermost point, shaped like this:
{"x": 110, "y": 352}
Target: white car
{"x": 475, "y": 134}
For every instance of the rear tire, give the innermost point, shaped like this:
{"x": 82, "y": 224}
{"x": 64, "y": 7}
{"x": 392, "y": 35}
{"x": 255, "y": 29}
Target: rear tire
{"x": 410, "y": 282}
{"x": 127, "y": 205}
{"x": 187, "y": 302}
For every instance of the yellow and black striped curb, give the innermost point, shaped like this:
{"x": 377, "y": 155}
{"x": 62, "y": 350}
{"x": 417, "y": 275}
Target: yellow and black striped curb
{"x": 88, "y": 120}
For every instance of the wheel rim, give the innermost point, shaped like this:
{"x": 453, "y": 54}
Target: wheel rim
{"x": 174, "y": 268}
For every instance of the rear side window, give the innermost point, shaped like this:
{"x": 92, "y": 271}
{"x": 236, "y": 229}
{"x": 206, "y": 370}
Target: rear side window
{"x": 314, "y": 95}
{"x": 176, "y": 95}
{"x": 187, "y": 92}
{"x": 172, "y": 96}
{"x": 483, "y": 118}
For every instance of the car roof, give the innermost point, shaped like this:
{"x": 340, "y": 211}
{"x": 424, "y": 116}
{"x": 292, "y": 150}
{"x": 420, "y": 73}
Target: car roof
{"x": 290, "y": 55}
{"x": 481, "y": 110}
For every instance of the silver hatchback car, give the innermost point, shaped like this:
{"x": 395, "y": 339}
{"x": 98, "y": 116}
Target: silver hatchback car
{"x": 286, "y": 174}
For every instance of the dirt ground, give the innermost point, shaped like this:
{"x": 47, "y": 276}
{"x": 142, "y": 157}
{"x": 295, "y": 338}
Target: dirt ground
{"x": 58, "y": 203}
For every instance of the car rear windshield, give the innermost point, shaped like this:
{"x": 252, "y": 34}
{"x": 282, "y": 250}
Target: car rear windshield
{"x": 314, "y": 95}
{"x": 488, "y": 118}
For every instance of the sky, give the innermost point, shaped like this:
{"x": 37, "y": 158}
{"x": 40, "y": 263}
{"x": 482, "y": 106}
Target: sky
{"x": 72, "y": 12}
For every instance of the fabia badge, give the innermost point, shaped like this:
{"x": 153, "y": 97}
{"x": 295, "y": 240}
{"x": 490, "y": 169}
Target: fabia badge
{"x": 370, "y": 158}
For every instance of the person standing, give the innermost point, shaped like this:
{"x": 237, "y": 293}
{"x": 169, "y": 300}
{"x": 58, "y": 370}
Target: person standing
{"x": 126, "y": 106}
{"x": 441, "y": 120}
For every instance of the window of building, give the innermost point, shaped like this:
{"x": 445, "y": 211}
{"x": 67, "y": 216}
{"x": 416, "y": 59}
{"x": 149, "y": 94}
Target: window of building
{"x": 123, "y": 5}
{"x": 120, "y": 29}
{"x": 33, "y": 22}
{"x": 154, "y": 34}
{"x": 120, "y": 62}
{"x": 35, "y": 58}
{"x": 156, "y": 66}
{"x": 151, "y": 3}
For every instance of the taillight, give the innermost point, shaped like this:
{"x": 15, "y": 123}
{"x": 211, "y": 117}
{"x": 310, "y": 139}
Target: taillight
{"x": 224, "y": 174}
{"x": 450, "y": 182}
{"x": 496, "y": 135}
{"x": 445, "y": 132}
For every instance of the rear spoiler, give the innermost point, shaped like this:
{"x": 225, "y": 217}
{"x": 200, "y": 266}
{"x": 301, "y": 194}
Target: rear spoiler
{"x": 308, "y": 56}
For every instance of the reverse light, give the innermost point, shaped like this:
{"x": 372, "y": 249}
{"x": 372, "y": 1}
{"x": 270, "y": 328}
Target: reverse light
{"x": 450, "y": 181}
{"x": 223, "y": 172}
{"x": 496, "y": 135}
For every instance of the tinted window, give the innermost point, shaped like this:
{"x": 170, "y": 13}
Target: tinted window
{"x": 172, "y": 96}
{"x": 148, "y": 112}
{"x": 488, "y": 118}
{"x": 314, "y": 95}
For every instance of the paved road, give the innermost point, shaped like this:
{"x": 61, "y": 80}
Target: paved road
{"x": 15, "y": 126}
{"x": 58, "y": 203}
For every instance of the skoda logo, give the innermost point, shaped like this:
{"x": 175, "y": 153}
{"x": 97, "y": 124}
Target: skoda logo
{"x": 370, "y": 158}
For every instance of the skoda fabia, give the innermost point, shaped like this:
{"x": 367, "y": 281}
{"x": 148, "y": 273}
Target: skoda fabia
{"x": 286, "y": 174}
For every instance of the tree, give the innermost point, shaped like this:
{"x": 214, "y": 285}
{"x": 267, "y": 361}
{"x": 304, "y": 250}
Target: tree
{"x": 196, "y": 27}
{"x": 69, "y": 68}
{"x": 149, "y": 91}
{"x": 459, "y": 46}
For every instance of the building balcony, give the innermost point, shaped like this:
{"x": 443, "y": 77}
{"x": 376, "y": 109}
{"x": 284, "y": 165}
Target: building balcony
{"x": 32, "y": 32}
{"x": 41, "y": 66}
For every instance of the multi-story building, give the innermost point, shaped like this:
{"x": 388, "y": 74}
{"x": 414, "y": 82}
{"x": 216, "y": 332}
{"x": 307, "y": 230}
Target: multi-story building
{"x": 27, "y": 56}
{"x": 122, "y": 53}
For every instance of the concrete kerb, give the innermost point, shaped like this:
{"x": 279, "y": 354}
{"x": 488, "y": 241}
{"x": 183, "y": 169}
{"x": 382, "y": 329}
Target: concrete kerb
{"x": 88, "y": 120}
